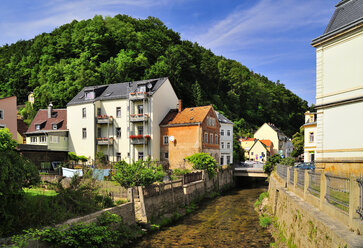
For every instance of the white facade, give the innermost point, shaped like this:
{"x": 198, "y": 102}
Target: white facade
{"x": 226, "y": 144}
{"x": 123, "y": 128}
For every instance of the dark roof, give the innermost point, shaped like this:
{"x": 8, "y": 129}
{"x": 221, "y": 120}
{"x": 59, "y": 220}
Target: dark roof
{"x": 22, "y": 127}
{"x": 278, "y": 131}
{"x": 115, "y": 91}
{"x": 222, "y": 118}
{"x": 59, "y": 116}
{"x": 348, "y": 13}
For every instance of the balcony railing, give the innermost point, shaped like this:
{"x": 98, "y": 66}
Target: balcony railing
{"x": 104, "y": 119}
{"x": 104, "y": 141}
{"x": 139, "y": 117}
{"x": 139, "y": 139}
{"x": 138, "y": 95}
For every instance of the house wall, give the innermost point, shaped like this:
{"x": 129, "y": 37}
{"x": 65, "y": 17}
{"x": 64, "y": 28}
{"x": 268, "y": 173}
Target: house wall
{"x": 246, "y": 146}
{"x": 309, "y": 147}
{"x": 75, "y": 123}
{"x": 163, "y": 100}
{"x": 224, "y": 152}
{"x": 61, "y": 145}
{"x": 211, "y": 148}
{"x": 257, "y": 151}
{"x": 339, "y": 141}
{"x": 266, "y": 132}
{"x": 8, "y": 106}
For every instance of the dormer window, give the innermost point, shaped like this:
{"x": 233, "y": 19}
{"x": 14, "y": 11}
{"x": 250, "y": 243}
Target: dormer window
{"x": 37, "y": 126}
{"x": 141, "y": 88}
{"x": 89, "y": 95}
{"x": 54, "y": 126}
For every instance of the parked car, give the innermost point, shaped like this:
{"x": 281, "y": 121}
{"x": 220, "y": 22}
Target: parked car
{"x": 305, "y": 166}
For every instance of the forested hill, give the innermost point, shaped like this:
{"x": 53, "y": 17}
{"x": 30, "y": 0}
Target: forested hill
{"x": 56, "y": 65}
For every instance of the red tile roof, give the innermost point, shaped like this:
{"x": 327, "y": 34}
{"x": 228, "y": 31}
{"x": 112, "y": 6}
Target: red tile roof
{"x": 267, "y": 142}
{"x": 186, "y": 116}
{"x": 249, "y": 139}
{"x": 59, "y": 116}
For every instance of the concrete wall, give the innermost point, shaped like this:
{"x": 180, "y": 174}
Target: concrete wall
{"x": 303, "y": 222}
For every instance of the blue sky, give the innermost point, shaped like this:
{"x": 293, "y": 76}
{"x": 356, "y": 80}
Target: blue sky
{"x": 271, "y": 37}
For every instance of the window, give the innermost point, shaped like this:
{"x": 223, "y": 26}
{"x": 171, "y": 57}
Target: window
{"x": 222, "y": 132}
{"x": 140, "y": 109}
{"x": 118, "y": 112}
{"x": 228, "y": 159}
{"x": 42, "y": 139}
{"x": 251, "y": 153}
{"x": 99, "y": 111}
{"x": 141, "y": 88}
{"x": 165, "y": 139}
{"x": 311, "y": 137}
{"x": 33, "y": 139}
{"x": 221, "y": 160}
{"x": 2, "y": 126}
{"x": 140, "y": 156}
{"x": 216, "y": 139}
{"x": 228, "y": 145}
{"x": 140, "y": 130}
{"x": 118, "y": 132}
{"x": 1, "y": 114}
{"x": 99, "y": 132}
{"x": 166, "y": 155}
{"x": 118, "y": 156}
{"x": 228, "y": 132}
{"x": 83, "y": 112}
{"x": 205, "y": 137}
{"x": 222, "y": 145}
{"x": 211, "y": 138}
{"x": 84, "y": 133}
{"x": 54, "y": 126}
{"x": 37, "y": 126}
{"x": 53, "y": 139}
{"x": 89, "y": 95}
{"x": 312, "y": 118}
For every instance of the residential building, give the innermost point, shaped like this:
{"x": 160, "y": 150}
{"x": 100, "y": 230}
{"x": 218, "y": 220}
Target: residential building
{"x": 246, "y": 144}
{"x": 189, "y": 131}
{"x": 309, "y": 136}
{"x": 259, "y": 151}
{"x": 339, "y": 91}
{"x": 121, "y": 120}
{"x": 226, "y": 139}
{"x": 49, "y": 129}
{"x": 281, "y": 143}
{"x": 8, "y": 115}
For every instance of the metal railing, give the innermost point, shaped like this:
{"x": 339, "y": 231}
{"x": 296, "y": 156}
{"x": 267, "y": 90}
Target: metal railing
{"x": 282, "y": 171}
{"x": 292, "y": 172}
{"x": 337, "y": 191}
{"x": 300, "y": 178}
{"x": 314, "y": 183}
{"x": 360, "y": 207}
{"x": 193, "y": 177}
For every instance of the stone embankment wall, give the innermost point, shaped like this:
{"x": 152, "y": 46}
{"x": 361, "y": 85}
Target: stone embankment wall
{"x": 157, "y": 200}
{"x": 305, "y": 225}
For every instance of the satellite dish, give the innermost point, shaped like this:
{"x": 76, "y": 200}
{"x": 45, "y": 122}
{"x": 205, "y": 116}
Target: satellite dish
{"x": 171, "y": 138}
{"x": 149, "y": 85}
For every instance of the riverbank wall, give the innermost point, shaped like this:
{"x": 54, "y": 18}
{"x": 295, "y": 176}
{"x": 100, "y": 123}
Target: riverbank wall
{"x": 305, "y": 225}
{"x": 165, "y": 198}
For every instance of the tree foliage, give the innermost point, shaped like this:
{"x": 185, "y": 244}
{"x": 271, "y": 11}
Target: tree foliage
{"x": 57, "y": 65}
{"x": 140, "y": 173}
{"x": 298, "y": 143}
{"x": 203, "y": 161}
{"x": 6, "y": 140}
{"x": 271, "y": 162}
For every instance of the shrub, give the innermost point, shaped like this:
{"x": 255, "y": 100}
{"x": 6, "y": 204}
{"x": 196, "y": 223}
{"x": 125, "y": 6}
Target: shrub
{"x": 6, "y": 141}
{"x": 271, "y": 163}
{"x": 288, "y": 161}
{"x": 265, "y": 221}
{"x": 181, "y": 172}
{"x": 203, "y": 161}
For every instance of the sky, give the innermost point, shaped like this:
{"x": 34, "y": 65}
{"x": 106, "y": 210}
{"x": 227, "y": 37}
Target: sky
{"x": 270, "y": 37}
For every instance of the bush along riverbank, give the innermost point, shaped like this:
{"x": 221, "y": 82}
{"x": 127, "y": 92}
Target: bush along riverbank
{"x": 267, "y": 220}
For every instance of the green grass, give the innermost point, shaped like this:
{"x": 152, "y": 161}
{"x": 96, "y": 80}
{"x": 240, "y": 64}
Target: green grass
{"x": 39, "y": 191}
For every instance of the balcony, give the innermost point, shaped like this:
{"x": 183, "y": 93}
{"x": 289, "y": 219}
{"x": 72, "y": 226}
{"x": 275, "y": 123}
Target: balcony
{"x": 104, "y": 119}
{"x": 139, "y": 139}
{"x": 139, "y": 117}
{"x": 104, "y": 141}
{"x": 134, "y": 96}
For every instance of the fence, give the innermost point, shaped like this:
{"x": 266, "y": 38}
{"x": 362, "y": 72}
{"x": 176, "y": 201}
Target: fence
{"x": 292, "y": 172}
{"x": 314, "y": 183}
{"x": 337, "y": 191}
{"x": 156, "y": 189}
{"x": 282, "y": 171}
{"x": 300, "y": 178}
{"x": 193, "y": 177}
{"x": 360, "y": 207}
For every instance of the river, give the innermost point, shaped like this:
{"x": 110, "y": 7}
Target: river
{"x": 226, "y": 221}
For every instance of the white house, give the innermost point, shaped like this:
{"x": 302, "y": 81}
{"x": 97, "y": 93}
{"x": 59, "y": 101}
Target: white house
{"x": 339, "y": 90}
{"x": 121, "y": 120}
{"x": 226, "y": 139}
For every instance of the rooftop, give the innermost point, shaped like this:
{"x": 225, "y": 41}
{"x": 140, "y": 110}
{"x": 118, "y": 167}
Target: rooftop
{"x": 223, "y": 119}
{"x": 59, "y": 117}
{"x": 186, "y": 116}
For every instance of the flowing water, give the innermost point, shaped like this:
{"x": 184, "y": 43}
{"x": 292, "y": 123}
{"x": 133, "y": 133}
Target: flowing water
{"x": 226, "y": 221}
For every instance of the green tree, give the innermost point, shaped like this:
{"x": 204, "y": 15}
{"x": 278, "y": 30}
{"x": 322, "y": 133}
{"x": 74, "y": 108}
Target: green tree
{"x": 271, "y": 162}
{"x": 6, "y": 140}
{"x": 298, "y": 143}
{"x": 139, "y": 173}
{"x": 203, "y": 161}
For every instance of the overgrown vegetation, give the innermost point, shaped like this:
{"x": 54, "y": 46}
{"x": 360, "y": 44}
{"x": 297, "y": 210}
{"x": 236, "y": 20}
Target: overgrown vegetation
{"x": 108, "y": 231}
{"x": 271, "y": 162}
{"x": 260, "y": 198}
{"x": 57, "y": 65}
{"x": 139, "y": 173}
{"x": 203, "y": 161}
{"x": 287, "y": 161}
{"x": 265, "y": 221}
{"x": 181, "y": 172}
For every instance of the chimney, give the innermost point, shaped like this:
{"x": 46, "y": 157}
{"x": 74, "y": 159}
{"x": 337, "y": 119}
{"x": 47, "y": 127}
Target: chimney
{"x": 180, "y": 106}
{"x": 50, "y": 110}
